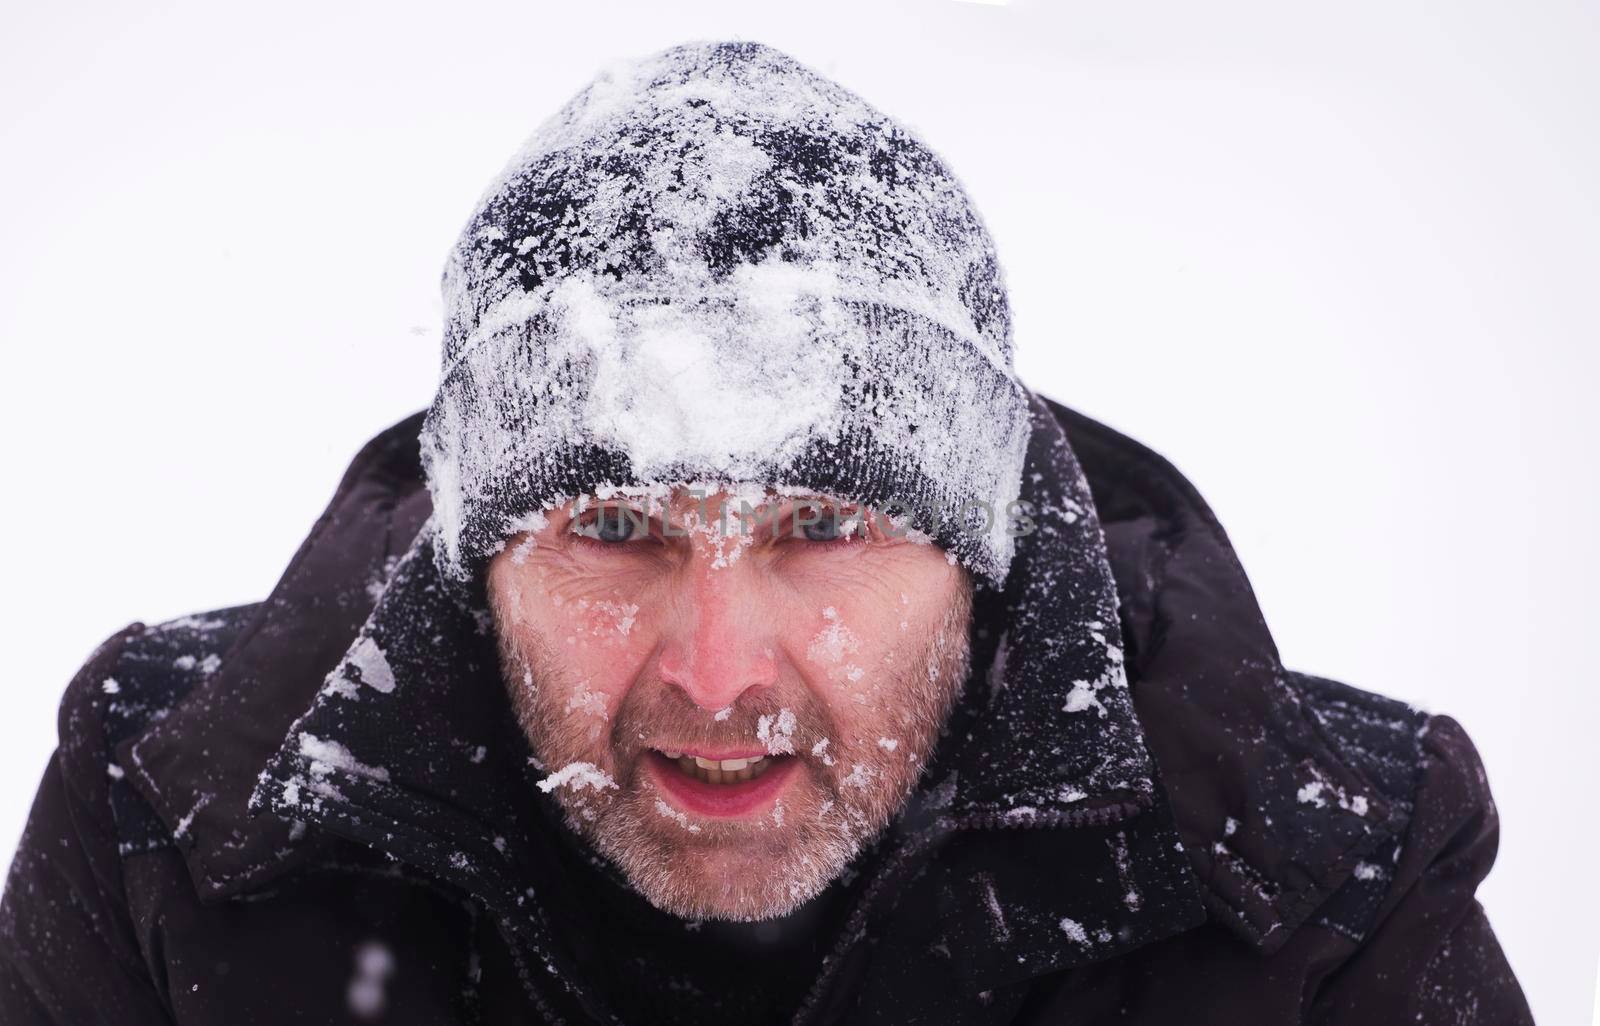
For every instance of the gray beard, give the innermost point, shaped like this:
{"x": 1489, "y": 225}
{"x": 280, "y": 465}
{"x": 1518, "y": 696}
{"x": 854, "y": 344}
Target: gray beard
{"x": 740, "y": 871}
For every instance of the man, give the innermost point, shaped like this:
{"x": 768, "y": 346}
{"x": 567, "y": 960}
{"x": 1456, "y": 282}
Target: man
{"x": 744, "y": 643}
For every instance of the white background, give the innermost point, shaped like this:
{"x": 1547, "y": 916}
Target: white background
{"x": 1337, "y": 261}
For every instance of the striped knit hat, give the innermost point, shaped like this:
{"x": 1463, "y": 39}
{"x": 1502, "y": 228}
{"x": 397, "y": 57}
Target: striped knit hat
{"x": 716, "y": 266}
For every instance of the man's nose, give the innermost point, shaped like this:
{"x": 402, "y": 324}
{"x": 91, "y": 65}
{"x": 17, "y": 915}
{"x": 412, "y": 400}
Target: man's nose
{"x": 718, "y": 646}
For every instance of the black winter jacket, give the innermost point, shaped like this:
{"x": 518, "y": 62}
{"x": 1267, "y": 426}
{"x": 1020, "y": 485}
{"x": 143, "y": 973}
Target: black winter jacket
{"x": 1299, "y": 851}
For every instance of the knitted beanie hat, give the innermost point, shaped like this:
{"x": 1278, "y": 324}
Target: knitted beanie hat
{"x": 715, "y": 266}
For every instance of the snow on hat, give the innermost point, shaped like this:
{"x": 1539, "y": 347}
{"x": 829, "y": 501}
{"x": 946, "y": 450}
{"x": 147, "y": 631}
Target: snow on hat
{"x": 715, "y": 265}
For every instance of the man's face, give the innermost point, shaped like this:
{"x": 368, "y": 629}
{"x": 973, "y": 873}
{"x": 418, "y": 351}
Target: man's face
{"x": 810, "y": 655}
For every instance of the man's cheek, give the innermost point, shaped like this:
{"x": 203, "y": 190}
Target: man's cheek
{"x": 585, "y": 623}
{"x": 608, "y": 621}
{"x": 835, "y": 653}
{"x": 598, "y": 684}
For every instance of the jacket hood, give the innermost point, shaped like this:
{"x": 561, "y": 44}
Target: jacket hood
{"x": 1046, "y": 787}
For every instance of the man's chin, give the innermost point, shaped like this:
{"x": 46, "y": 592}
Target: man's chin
{"x": 744, "y": 893}
{"x": 735, "y": 875}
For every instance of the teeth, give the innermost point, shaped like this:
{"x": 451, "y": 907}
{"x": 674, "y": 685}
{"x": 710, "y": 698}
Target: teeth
{"x": 725, "y": 771}
{"x": 726, "y": 765}
{"x": 673, "y": 755}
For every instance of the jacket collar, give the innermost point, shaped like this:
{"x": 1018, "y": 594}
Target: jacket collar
{"x": 1274, "y": 815}
{"x": 199, "y": 764}
{"x": 1214, "y": 708}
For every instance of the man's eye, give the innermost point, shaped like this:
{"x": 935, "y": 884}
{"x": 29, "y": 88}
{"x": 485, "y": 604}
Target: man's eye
{"x": 824, "y": 528}
{"x": 612, "y": 525}
{"x": 823, "y": 524}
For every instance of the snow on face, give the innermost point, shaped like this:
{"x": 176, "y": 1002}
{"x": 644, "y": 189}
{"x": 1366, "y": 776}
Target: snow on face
{"x": 587, "y": 703}
{"x": 668, "y": 812}
{"x": 833, "y": 641}
{"x": 578, "y": 776}
{"x": 777, "y": 732}
{"x": 719, "y": 657}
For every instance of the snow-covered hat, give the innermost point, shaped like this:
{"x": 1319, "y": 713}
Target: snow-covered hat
{"x": 715, "y": 265}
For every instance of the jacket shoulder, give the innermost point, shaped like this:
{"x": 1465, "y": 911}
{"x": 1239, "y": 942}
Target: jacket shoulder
{"x": 1426, "y": 951}
{"x": 1423, "y": 763}
{"x": 131, "y": 681}
{"x": 74, "y": 940}
{"x": 1379, "y": 736}
{"x": 1431, "y": 775}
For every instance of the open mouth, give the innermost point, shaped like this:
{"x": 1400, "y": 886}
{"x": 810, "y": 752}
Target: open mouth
{"x": 731, "y": 787}
{"x": 721, "y": 771}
